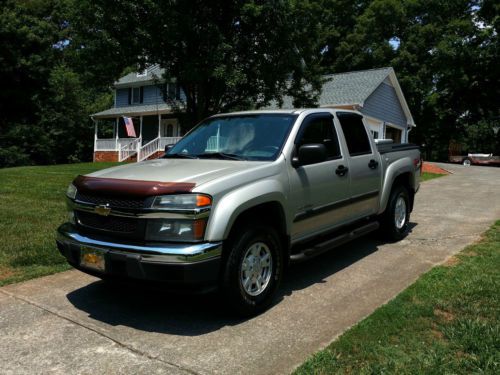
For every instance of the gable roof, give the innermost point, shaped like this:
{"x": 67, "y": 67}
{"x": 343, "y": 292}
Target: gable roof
{"x": 353, "y": 88}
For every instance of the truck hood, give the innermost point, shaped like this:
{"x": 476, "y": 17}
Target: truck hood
{"x": 195, "y": 171}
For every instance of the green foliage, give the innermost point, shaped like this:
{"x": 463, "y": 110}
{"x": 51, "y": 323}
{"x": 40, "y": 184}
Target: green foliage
{"x": 446, "y": 61}
{"x": 224, "y": 55}
{"x": 60, "y": 57}
{"x": 44, "y": 103}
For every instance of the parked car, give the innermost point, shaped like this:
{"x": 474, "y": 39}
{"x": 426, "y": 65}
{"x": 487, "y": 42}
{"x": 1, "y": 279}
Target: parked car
{"x": 240, "y": 197}
{"x": 476, "y": 159}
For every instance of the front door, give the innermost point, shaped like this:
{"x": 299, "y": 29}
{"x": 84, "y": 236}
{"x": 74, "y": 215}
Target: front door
{"x": 318, "y": 194}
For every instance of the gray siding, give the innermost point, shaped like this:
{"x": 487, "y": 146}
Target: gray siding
{"x": 384, "y": 104}
{"x": 121, "y": 97}
{"x": 151, "y": 95}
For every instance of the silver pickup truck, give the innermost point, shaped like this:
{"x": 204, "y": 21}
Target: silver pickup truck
{"x": 237, "y": 199}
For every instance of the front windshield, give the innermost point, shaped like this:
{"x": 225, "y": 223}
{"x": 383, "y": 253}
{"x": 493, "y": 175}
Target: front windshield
{"x": 245, "y": 137}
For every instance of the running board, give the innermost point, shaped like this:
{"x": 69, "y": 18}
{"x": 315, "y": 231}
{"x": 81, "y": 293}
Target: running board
{"x": 331, "y": 243}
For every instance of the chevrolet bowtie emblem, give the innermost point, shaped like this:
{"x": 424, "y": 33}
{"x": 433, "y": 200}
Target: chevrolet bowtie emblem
{"x": 102, "y": 210}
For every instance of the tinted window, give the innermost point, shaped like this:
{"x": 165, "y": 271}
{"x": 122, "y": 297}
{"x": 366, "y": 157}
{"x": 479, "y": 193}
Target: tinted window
{"x": 354, "y": 133}
{"x": 319, "y": 129}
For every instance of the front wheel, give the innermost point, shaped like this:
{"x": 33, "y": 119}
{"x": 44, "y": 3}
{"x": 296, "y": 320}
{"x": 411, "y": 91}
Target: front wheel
{"x": 253, "y": 270}
{"x": 395, "y": 220}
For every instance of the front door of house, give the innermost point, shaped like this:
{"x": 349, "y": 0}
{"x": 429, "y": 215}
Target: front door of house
{"x": 169, "y": 127}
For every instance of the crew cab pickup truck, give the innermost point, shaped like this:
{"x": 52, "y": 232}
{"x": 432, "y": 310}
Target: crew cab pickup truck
{"x": 237, "y": 199}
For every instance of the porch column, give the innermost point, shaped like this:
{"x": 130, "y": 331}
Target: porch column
{"x": 140, "y": 128}
{"x": 95, "y": 139}
{"x": 139, "y": 144}
{"x": 117, "y": 130}
{"x": 159, "y": 125}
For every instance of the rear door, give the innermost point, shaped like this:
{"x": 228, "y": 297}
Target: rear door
{"x": 318, "y": 195}
{"x": 364, "y": 168}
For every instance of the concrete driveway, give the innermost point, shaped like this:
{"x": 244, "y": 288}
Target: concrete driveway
{"x": 73, "y": 323}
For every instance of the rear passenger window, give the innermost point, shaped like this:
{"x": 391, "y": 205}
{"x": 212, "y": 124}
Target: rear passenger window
{"x": 355, "y": 133}
{"x": 319, "y": 129}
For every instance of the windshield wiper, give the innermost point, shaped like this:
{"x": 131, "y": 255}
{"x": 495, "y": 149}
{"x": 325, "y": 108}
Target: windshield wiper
{"x": 180, "y": 156}
{"x": 220, "y": 155}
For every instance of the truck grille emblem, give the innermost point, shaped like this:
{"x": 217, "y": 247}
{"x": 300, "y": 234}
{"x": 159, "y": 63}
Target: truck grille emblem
{"x": 102, "y": 209}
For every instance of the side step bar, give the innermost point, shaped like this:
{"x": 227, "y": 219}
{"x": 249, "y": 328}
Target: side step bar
{"x": 331, "y": 243}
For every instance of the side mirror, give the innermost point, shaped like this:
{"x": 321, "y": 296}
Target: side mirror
{"x": 168, "y": 147}
{"x": 310, "y": 154}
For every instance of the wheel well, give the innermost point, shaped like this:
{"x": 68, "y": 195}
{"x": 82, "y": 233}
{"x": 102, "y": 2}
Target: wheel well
{"x": 405, "y": 179}
{"x": 269, "y": 213}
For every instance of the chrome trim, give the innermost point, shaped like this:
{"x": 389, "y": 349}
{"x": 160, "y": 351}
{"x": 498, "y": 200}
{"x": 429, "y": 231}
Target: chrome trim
{"x": 144, "y": 213}
{"x": 168, "y": 253}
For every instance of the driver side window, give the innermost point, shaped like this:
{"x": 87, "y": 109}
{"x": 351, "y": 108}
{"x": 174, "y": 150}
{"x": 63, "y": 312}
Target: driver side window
{"x": 320, "y": 129}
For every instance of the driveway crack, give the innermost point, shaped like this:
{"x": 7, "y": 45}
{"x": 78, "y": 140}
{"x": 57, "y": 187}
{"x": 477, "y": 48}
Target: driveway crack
{"x": 98, "y": 332}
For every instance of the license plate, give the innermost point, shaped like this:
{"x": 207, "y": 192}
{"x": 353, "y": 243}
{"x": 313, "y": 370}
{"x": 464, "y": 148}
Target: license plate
{"x": 92, "y": 258}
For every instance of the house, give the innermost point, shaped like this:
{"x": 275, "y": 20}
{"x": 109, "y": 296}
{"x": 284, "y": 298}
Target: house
{"x": 375, "y": 93}
{"x": 151, "y": 104}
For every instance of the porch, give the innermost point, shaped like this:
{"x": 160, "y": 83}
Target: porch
{"x": 153, "y": 133}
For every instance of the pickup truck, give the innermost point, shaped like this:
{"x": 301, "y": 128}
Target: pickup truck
{"x": 237, "y": 199}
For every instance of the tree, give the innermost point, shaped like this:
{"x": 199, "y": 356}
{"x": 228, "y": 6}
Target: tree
{"x": 225, "y": 55}
{"x": 445, "y": 54}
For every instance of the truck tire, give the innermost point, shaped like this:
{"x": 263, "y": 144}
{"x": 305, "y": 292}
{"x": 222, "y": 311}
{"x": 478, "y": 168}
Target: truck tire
{"x": 466, "y": 162}
{"x": 395, "y": 220}
{"x": 253, "y": 270}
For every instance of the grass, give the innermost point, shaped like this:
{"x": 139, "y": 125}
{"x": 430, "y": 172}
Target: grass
{"x": 32, "y": 206}
{"x": 429, "y": 176}
{"x": 448, "y": 322}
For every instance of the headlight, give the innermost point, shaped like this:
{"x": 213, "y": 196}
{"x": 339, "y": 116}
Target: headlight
{"x": 182, "y": 201}
{"x": 71, "y": 191}
{"x": 175, "y": 230}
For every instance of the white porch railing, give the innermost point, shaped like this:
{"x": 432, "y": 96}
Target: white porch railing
{"x": 148, "y": 149}
{"x": 105, "y": 144}
{"x": 111, "y": 144}
{"x": 129, "y": 149}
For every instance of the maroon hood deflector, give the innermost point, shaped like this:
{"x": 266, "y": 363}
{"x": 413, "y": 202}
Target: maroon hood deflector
{"x": 130, "y": 188}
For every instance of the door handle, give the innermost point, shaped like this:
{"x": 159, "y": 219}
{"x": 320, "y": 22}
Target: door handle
{"x": 373, "y": 164}
{"x": 341, "y": 170}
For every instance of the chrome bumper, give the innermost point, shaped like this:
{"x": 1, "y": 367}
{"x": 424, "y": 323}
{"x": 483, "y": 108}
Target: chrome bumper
{"x": 168, "y": 253}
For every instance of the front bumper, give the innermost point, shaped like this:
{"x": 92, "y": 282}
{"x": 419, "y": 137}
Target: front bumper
{"x": 173, "y": 263}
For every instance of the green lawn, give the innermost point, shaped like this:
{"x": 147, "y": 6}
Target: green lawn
{"x": 32, "y": 206}
{"x": 429, "y": 176}
{"x": 448, "y": 322}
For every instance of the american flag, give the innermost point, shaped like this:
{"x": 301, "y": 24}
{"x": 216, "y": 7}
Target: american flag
{"x": 129, "y": 126}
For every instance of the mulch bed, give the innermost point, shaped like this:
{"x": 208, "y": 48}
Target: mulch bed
{"x": 431, "y": 168}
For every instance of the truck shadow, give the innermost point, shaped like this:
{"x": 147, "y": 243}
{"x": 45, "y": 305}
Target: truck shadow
{"x": 160, "y": 311}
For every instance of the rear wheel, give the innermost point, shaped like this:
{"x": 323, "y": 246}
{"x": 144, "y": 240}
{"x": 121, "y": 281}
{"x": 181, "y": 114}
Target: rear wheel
{"x": 466, "y": 162}
{"x": 395, "y": 220}
{"x": 253, "y": 270}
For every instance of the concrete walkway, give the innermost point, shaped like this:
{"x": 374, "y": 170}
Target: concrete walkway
{"x": 71, "y": 323}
